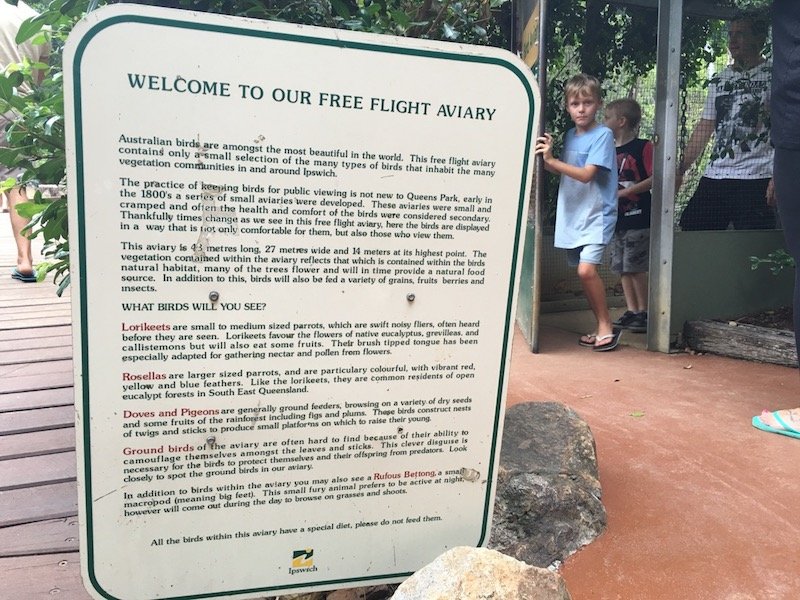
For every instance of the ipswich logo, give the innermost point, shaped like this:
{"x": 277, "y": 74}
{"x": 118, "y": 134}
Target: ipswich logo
{"x": 302, "y": 561}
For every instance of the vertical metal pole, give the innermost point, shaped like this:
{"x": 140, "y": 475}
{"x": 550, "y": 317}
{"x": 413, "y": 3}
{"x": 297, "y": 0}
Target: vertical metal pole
{"x": 538, "y": 193}
{"x": 668, "y": 57}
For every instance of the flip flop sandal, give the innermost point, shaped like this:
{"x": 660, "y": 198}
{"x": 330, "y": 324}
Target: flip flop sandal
{"x": 23, "y": 277}
{"x": 588, "y": 340}
{"x": 787, "y": 429}
{"x": 614, "y": 337}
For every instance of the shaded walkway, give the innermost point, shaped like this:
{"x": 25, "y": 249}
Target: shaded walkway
{"x": 38, "y": 493}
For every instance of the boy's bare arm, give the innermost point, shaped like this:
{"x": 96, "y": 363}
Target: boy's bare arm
{"x": 544, "y": 146}
{"x": 582, "y": 174}
{"x": 636, "y": 188}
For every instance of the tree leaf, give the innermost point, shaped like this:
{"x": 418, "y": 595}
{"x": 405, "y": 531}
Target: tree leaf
{"x": 48, "y": 126}
{"x": 30, "y": 27}
{"x": 29, "y": 209}
{"x": 401, "y": 18}
{"x": 340, "y": 8}
{"x": 449, "y": 32}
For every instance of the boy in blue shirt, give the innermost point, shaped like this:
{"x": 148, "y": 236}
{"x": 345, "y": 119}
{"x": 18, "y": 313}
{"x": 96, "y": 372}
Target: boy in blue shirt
{"x": 587, "y": 198}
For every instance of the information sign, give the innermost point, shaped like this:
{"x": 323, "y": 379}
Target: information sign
{"x": 295, "y": 256}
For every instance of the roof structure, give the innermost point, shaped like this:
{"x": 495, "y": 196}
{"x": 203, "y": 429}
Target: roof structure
{"x": 716, "y": 9}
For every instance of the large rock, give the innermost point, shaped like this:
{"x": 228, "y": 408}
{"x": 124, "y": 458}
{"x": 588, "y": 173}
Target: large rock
{"x": 464, "y": 573}
{"x": 548, "y": 495}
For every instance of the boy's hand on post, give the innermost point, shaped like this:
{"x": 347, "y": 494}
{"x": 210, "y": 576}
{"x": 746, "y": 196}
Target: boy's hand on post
{"x": 544, "y": 146}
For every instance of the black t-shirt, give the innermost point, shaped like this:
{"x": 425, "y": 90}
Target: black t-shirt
{"x": 785, "y": 101}
{"x": 634, "y": 164}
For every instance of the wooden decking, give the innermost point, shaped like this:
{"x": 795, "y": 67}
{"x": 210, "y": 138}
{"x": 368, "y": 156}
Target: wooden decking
{"x": 38, "y": 495}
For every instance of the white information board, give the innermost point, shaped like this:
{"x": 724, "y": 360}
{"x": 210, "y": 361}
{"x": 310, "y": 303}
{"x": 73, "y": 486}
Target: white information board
{"x": 295, "y": 257}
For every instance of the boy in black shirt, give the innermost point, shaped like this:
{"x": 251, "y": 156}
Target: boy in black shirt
{"x": 630, "y": 248}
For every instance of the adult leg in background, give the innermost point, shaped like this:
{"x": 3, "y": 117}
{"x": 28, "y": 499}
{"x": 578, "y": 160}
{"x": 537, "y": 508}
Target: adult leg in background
{"x": 24, "y": 257}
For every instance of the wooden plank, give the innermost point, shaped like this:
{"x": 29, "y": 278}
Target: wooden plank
{"x": 29, "y": 505}
{"x": 42, "y": 317}
{"x": 56, "y": 366}
{"x": 34, "y": 333}
{"x": 45, "y": 380}
{"x": 36, "y": 355}
{"x": 40, "y": 419}
{"x": 45, "y": 537}
{"x": 27, "y": 400}
{"x": 17, "y": 289}
{"x": 8, "y": 303}
{"x": 36, "y": 443}
{"x": 742, "y": 341}
{"x": 13, "y": 289}
{"x": 34, "y": 343}
{"x": 29, "y": 311}
{"x": 30, "y": 322}
{"x": 37, "y": 470}
{"x": 42, "y": 577}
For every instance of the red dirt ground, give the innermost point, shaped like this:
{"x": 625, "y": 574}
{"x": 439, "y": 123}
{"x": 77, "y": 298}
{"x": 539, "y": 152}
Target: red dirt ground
{"x": 700, "y": 504}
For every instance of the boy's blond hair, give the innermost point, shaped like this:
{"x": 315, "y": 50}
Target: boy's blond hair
{"x": 583, "y": 85}
{"x": 627, "y": 108}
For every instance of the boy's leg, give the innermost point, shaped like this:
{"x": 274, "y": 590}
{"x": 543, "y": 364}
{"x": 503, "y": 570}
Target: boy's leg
{"x": 617, "y": 265}
{"x": 638, "y": 284}
{"x": 629, "y": 291}
{"x": 595, "y": 291}
{"x": 634, "y": 272}
{"x": 24, "y": 257}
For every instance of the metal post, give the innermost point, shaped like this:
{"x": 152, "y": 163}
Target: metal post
{"x": 668, "y": 56}
{"x": 538, "y": 193}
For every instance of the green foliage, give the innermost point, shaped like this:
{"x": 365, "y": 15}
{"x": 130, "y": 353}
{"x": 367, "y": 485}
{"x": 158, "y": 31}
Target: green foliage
{"x": 751, "y": 5}
{"x": 464, "y": 21}
{"x": 777, "y": 261}
{"x": 35, "y": 138}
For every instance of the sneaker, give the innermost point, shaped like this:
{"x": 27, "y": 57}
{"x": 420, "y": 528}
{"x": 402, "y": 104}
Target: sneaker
{"x": 638, "y": 324}
{"x": 625, "y": 319}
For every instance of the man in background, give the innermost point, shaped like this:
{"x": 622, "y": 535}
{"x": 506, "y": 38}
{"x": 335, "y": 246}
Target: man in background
{"x": 733, "y": 189}
{"x": 11, "y": 17}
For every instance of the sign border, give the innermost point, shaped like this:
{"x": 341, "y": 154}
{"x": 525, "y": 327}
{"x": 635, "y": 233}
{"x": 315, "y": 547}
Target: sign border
{"x": 343, "y": 40}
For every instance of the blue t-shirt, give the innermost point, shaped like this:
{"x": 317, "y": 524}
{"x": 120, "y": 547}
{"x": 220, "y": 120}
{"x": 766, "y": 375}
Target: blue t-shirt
{"x": 587, "y": 212}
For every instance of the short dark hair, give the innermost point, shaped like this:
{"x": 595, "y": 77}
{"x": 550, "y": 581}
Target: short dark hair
{"x": 759, "y": 26}
{"x": 627, "y": 108}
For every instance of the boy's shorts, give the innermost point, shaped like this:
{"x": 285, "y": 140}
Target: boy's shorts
{"x": 630, "y": 251}
{"x": 590, "y": 253}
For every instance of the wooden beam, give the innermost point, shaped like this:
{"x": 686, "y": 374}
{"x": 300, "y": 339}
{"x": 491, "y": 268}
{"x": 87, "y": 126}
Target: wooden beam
{"x": 55, "y": 501}
{"x": 43, "y": 576}
{"x": 45, "y": 537}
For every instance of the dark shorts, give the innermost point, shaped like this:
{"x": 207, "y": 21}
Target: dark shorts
{"x": 630, "y": 251}
{"x": 719, "y": 202}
